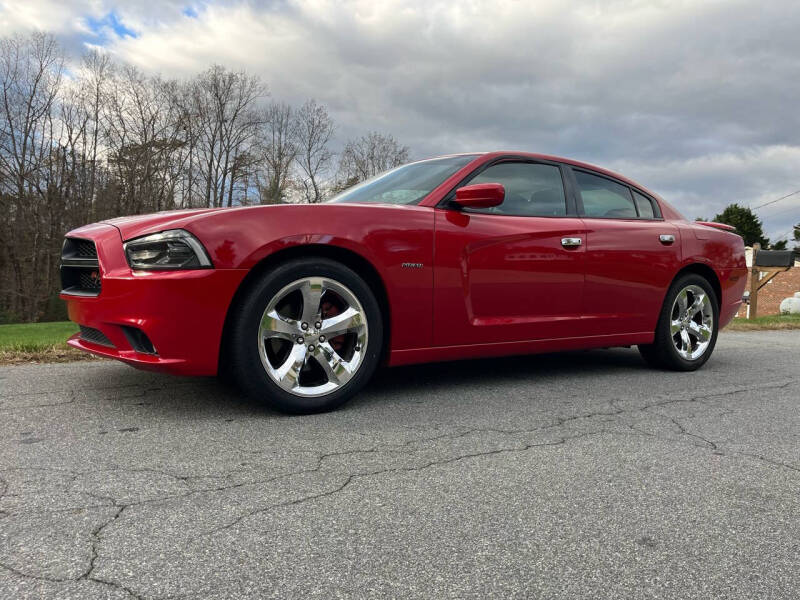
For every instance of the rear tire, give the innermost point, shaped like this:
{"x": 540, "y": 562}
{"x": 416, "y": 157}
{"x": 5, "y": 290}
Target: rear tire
{"x": 306, "y": 337}
{"x": 687, "y": 327}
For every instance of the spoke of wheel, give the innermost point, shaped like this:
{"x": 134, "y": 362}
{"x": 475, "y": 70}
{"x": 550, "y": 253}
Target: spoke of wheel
{"x": 312, "y": 290}
{"x": 335, "y": 367}
{"x": 674, "y": 326}
{"x": 288, "y": 374}
{"x": 344, "y": 322}
{"x": 683, "y": 302}
{"x": 686, "y": 343}
{"x": 274, "y": 325}
{"x": 701, "y": 332}
{"x": 697, "y": 305}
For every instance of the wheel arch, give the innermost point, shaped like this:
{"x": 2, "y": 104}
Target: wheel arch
{"x": 707, "y": 273}
{"x": 355, "y": 261}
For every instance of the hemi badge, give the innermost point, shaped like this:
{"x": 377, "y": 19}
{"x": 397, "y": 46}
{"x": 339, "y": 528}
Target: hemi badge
{"x": 410, "y": 265}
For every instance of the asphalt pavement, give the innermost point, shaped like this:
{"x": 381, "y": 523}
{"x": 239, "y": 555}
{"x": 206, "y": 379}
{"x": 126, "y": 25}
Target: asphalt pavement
{"x": 580, "y": 475}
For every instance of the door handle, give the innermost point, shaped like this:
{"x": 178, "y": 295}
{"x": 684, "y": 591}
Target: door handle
{"x": 571, "y": 242}
{"x": 666, "y": 238}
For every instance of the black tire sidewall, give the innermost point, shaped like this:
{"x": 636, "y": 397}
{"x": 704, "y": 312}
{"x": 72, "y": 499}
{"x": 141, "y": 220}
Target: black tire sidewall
{"x": 246, "y": 362}
{"x": 663, "y": 341}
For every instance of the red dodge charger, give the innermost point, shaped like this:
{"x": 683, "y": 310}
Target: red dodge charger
{"x": 461, "y": 256}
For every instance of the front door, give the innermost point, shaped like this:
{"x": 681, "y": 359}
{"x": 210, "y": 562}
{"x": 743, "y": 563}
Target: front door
{"x": 512, "y": 272}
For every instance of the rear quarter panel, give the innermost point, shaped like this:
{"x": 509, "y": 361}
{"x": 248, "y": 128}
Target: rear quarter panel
{"x": 724, "y": 253}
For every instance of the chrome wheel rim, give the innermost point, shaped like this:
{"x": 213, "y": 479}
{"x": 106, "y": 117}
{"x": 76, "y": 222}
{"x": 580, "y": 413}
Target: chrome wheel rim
{"x": 692, "y": 322}
{"x": 313, "y": 336}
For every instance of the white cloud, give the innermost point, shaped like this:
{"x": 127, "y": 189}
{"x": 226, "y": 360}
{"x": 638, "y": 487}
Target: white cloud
{"x": 696, "y": 99}
{"x": 701, "y": 186}
{"x": 48, "y": 15}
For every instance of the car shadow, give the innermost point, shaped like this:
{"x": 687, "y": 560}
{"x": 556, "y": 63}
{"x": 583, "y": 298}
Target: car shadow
{"x": 216, "y": 398}
{"x": 488, "y": 371}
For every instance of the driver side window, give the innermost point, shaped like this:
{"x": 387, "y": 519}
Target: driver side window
{"x": 532, "y": 190}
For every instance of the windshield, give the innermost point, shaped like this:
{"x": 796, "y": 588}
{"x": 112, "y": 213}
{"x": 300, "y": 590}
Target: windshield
{"x": 407, "y": 184}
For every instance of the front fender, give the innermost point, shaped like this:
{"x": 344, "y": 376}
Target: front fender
{"x": 388, "y": 237}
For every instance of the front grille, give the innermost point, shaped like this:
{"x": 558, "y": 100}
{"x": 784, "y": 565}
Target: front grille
{"x": 80, "y": 268}
{"x": 85, "y": 248}
{"x": 77, "y": 248}
{"x": 89, "y": 279}
{"x": 95, "y": 336}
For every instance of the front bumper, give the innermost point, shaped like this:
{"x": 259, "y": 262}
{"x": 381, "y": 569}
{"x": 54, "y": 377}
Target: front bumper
{"x": 181, "y": 312}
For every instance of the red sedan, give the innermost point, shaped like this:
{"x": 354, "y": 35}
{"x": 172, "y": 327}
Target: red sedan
{"x": 456, "y": 257}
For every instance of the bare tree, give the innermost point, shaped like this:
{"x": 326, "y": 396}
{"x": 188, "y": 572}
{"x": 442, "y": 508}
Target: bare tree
{"x": 225, "y": 106}
{"x": 69, "y": 172}
{"x": 278, "y": 151}
{"x": 31, "y": 70}
{"x": 313, "y": 131}
{"x": 143, "y": 139}
{"x": 97, "y": 70}
{"x": 369, "y": 155}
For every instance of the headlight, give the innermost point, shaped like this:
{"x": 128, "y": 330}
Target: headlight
{"x": 168, "y": 250}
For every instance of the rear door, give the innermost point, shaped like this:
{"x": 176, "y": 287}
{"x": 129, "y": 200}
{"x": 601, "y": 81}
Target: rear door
{"x": 632, "y": 254}
{"x": 503, "y": 274}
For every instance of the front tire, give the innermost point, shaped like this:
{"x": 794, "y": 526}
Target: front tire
{"x": 687, "y": 327}
{"x": 306, "y": 337}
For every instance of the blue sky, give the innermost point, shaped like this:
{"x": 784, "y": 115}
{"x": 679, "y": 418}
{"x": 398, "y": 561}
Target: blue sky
{"x": 694, "y": 98}
{"x": 108, "y": 22}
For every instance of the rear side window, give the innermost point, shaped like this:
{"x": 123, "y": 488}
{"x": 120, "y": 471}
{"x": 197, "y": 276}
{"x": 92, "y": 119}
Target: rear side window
{"x": 605, "y": 198}
{"x": 645, "y": 206}
{"x": 532, "y": 190}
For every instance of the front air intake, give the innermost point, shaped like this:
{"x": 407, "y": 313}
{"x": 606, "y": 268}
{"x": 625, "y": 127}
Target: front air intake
{"x": 138, "y": 340}
{"x": 80, "y": 269}
{"x": 95, "y": 336}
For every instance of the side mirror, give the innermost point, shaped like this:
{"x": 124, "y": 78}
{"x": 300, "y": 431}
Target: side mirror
{"x": 480, "y": 195}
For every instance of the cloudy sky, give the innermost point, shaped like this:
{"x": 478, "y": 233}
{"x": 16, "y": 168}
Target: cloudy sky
{"x": 696, "y": 99}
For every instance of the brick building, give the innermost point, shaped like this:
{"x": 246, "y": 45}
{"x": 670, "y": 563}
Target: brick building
{"x": 771, "y": 295}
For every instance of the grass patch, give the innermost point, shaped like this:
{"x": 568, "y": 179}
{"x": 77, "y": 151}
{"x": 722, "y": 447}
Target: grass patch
{"x": 35, "y": 337}
{"x": 38, "y": 342}
{"x": 765, "y": 322}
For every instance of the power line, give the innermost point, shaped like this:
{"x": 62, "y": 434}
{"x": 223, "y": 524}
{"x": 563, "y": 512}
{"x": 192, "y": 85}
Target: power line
{"x": 785, "y": 235}
{"x": 776, "y": 200}
{"x": 782, "y": 211}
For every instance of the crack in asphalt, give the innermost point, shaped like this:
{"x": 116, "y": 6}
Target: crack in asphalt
{"x": 88, "y": 574}
{"x": 108, "y": 388}
{"x": 771, "y": 461}
{"x": 19, "y": 573}
{"x": 73, "y": 395}
{"x": 388, "y": 448}
{"x": 351, "y": 477}
{"x": 112, "y": 584}
{"x": 560, "y": 422}
{"x": 697, "y": 436}
{"x": 96, "y": 536}
{"x": 348, "y": 478}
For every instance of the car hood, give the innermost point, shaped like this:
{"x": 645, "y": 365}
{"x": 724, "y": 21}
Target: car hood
{"x": 137, "y": 225}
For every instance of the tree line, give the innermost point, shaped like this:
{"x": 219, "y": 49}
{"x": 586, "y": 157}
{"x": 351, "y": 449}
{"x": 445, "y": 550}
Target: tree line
{"x": 750, "y": 227}
{"x": 86, "y": 140}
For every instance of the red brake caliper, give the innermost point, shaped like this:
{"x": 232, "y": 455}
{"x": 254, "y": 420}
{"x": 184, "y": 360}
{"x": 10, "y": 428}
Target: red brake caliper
{"x": 331, "y": 310}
